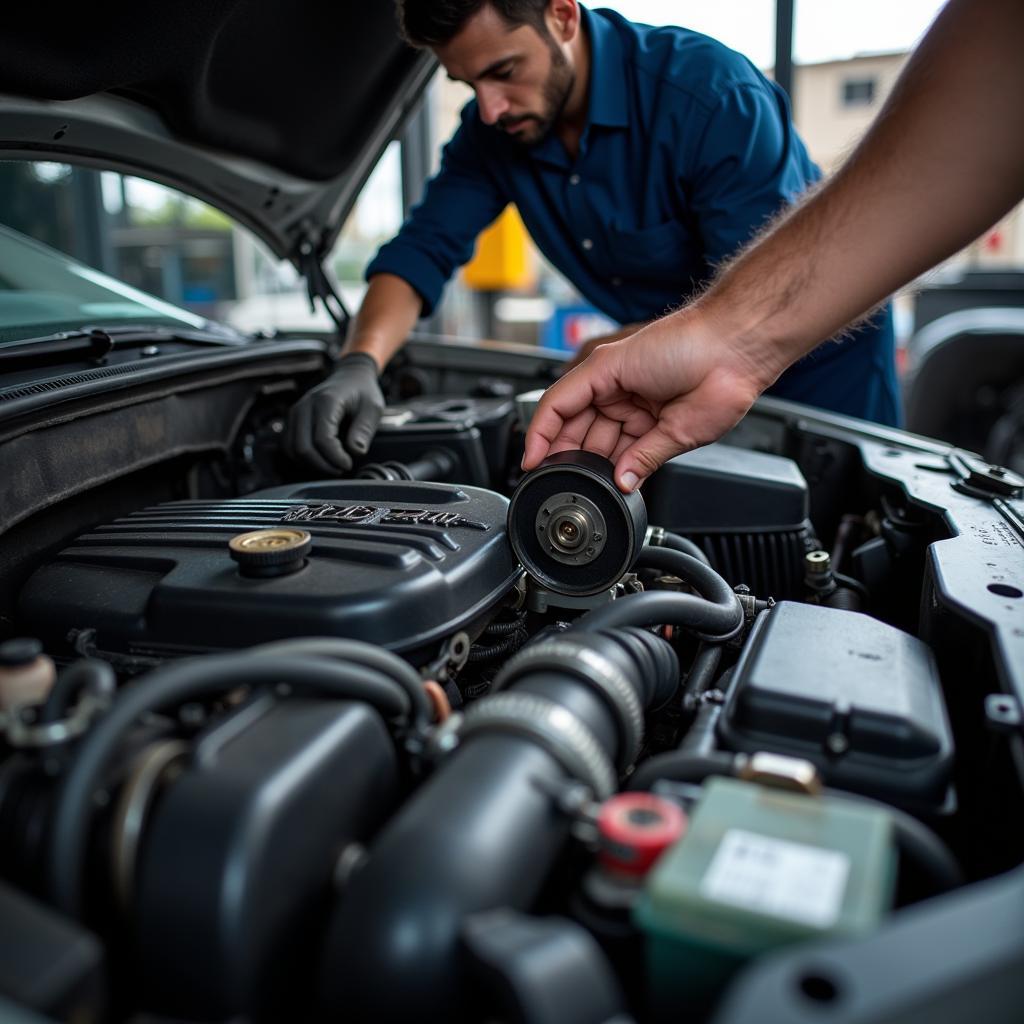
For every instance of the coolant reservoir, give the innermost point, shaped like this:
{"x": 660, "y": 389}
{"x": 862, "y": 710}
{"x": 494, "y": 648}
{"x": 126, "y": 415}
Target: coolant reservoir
{"x": 759, "y": 868}
{"x": 26, "y": 674}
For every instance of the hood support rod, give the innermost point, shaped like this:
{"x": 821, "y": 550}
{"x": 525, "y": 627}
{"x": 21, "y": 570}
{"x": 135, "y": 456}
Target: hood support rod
{"x": 319, "y": 285}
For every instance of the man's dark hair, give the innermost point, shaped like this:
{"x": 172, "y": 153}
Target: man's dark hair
{"x": 437, "y": 22}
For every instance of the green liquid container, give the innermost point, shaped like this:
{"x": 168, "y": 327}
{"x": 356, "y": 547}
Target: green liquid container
{"x": 759, "y": 868}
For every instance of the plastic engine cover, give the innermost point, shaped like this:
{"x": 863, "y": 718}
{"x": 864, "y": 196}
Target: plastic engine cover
{"x": 859, "y": 698}
{"x": 396, "y": 564}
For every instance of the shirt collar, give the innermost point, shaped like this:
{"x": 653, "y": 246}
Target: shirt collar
{"x": 607, "y": 100}
{"x": 607, "y": 72}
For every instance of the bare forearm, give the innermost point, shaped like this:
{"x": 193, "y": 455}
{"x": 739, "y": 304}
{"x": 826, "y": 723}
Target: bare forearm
{"x": 625, "y": 331}
{"x": 943, "y": 161}
{"x": 388, "y": 313}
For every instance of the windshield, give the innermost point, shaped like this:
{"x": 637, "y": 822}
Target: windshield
{"x": 43, "y": 292}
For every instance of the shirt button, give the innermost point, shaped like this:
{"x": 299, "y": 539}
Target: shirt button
{"x": 574, "y": 179}
{"x": 587, "y": 244}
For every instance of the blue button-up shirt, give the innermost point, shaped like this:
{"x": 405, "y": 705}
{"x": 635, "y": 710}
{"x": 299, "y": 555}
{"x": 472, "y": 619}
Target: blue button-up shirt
{"x": 688, "y": 150}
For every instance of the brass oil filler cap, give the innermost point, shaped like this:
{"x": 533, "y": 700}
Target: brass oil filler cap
{"x": 263, "y": 554}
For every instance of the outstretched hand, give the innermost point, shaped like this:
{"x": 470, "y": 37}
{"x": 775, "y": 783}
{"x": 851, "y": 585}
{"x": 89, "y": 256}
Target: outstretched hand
{"x": 666, "y": 389}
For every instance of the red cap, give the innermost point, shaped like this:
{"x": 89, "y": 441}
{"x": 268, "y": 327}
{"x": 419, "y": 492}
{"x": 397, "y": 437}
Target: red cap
{"x": 635, "y": 829}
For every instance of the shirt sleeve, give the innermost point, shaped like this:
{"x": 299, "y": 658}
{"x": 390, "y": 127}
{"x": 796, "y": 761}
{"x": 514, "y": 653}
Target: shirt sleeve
{"x": 439, "y": 234}
{"x": 749, "y": 164}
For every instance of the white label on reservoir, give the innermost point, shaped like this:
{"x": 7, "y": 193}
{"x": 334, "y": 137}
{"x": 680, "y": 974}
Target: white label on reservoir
{"x": 778, "y": 878}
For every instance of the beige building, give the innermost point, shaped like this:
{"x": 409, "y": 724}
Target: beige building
{"x": 835, "y": 102}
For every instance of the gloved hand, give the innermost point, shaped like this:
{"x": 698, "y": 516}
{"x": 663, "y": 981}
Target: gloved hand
{"x": 337, "y": 419}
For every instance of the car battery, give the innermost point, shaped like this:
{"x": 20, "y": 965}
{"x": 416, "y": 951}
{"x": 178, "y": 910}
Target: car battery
{"x": 758, "y": 869}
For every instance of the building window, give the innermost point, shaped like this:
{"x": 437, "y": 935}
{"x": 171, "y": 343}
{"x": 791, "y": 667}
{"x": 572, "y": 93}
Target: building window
{"x": 858, "y": 92}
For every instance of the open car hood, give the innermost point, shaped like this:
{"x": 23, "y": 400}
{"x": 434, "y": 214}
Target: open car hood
{"x": 274, "y": 113}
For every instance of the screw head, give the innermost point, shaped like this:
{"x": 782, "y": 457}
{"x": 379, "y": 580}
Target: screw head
{"x": 837, "y": 743}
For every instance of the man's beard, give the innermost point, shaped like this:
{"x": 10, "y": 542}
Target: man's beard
{"x": 557, "y": 88}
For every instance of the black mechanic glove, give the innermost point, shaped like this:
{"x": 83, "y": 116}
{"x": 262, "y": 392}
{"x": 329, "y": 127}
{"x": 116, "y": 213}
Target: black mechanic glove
{"x": 337, "y": 419}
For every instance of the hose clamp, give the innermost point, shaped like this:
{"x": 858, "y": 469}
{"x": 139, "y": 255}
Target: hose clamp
{"x": 150, "y": 771}
{"x": 655, "y": 537}
{"x": 28, "y": 735}
{"x": 576, "y": 658}
{"x": 551, "y": 726}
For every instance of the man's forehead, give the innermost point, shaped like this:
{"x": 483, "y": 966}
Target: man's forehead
{"x": 485, "y": 41}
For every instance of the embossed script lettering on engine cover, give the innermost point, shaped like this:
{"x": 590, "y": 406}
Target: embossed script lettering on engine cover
{"x": 369, "y": 515}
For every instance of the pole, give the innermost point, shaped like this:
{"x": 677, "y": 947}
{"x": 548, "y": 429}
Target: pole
{"x": 784, "y": 12}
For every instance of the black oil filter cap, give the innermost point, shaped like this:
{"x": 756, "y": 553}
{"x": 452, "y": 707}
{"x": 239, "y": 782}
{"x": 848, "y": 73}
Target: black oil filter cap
{"x": 572, "y": 528}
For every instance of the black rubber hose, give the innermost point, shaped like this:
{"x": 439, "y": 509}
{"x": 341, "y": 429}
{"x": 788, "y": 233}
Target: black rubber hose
{"x": 693, "y": 762}
{"x": 190, "y": 679}
{"x": 677, "y": 766}
{"x": 655, "y": 608}
{"x": 655, "y": 666}
{"x": 716, "y": 613}
{"x": 359, "y": 653}
{"x": 702, "y": 671}
{"x": 708, "y": 583}
{"x": 89, "y": 674}
{"x": 503, "y": 645}
{"x": 915, "y": 841}
{"x": 436, "y": 464}
{"x": 505, "y": 628}
{"x": 679, "y": 543}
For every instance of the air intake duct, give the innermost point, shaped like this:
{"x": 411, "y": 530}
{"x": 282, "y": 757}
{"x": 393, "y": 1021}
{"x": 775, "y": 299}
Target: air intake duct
{"x": 485, "y": 830}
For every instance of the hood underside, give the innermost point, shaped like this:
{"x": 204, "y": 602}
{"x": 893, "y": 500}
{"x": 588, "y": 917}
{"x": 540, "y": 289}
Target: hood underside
{"x": 272, "y": 112}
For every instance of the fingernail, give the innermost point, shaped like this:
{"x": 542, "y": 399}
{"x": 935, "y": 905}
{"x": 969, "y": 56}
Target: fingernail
{"x": 630, "y": 480}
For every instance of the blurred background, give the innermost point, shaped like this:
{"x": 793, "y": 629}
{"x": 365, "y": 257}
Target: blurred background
{"x": 845, "y": 59}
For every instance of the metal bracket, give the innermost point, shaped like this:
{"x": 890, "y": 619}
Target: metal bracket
{"x": 1003, "y": 713}
{"x": 452, "y": 659}
{"x": 980, "y": 479}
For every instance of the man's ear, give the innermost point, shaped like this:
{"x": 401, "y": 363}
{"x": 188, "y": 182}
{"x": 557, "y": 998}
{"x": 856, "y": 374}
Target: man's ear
{"x": 563, "y": 19}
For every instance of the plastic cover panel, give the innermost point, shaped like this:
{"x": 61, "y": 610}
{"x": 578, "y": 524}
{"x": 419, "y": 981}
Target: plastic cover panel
{"x": 859, "y": 698}
{"x": 722, "y": 488}
{"x": 396, "y": 564}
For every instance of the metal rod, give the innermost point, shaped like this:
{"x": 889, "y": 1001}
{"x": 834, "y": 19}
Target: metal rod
{"x": 784, "y": 14}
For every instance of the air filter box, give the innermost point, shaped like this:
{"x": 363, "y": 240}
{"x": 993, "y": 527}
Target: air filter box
{"x": 473, "y": 432}
{"x": 747, "y": 510}
{"x": 859, "y": 698}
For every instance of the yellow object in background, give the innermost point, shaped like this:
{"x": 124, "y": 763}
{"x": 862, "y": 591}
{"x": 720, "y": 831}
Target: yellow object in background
{"x": 503, "y": 260}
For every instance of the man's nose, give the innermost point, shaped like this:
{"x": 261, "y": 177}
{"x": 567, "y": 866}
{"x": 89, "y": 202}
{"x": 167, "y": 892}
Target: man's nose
{"x": 491, "y": 102}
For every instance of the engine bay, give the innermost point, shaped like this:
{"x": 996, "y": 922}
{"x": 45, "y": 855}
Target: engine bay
{"x": 440, "y": 740}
